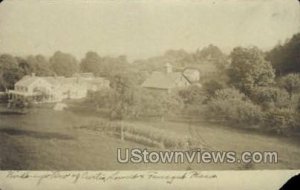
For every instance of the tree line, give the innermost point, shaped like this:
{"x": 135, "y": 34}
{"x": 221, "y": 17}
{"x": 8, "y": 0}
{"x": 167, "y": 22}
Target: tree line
{"x": 13, "y": 68}
{"x": 248, "y": 88}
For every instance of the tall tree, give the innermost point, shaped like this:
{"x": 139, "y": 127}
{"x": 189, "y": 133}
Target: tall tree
{"x": 115, "y": 65}
{"x": 211, "y": 52}
{"x": 103, "y": 66}
{"x": 24, "y": 65}
{"x": 249, "y": 69}
{"x": 123, "y": 95}
{"x": 286, "y": 58}
{"x": 9, "y": 71}
{"x": 92, "y": 62}
{"x": 7, "y": 61}
{"x": 36, "y": 64}
{"x": 63, "y": 64}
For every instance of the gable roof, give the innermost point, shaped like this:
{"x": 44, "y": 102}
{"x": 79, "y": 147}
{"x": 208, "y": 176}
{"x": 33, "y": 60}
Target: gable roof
{"x": 51, "y": 80}
{"x": 162, "y": 80}
{"x": 26, "y": 81}
{"x": 29, "y": 80}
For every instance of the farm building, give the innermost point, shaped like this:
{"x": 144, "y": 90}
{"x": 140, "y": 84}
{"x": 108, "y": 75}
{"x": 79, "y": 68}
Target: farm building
{"x": 55, "y": 89}
{"x": 166, "y": 81}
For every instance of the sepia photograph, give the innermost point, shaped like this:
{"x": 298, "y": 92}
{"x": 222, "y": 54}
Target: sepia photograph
{"x": 183, "y": 85}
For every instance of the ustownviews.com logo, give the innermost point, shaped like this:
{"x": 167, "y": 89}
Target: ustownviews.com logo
{"x": 194, "y": 156}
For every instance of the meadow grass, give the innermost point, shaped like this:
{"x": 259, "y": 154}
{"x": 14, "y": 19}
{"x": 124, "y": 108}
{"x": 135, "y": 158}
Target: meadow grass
{"x": 145, "y": 134}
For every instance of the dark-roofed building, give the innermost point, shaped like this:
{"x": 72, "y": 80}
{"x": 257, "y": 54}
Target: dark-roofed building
{"x": 166, "y": 81}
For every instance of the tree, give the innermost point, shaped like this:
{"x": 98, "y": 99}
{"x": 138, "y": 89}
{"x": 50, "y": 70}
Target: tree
{"x": 104, "y": 98}
{"x": 103, "y": 66}
{"x": 249, "y": 69}
{"x": 115, "y": 65}
{"x": 93, "y": 63}
{"x": 210, "y": 52}
{"x": 37, "y": 64}
{"x": 63, "y": 64}
{"x": 123, "y": 96}
{"x": 291, "y": 83}
{"x": 286, "y": 58}
{"x": 10, "y": 77}
{"x": 148, "y": 103}
{"x": 177, "y": 57}
{"x": 9, "y": 72}
{"x": 124, "y": 99}
{"x": 7, "y": 61}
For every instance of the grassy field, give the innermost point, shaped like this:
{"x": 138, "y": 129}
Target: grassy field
{"x": 227, "y": 139}
{"x": 50, "y": 140}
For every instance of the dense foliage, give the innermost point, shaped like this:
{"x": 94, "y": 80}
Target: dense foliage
{"x": 248, "y": 88}
{"x": 285, "y": 57}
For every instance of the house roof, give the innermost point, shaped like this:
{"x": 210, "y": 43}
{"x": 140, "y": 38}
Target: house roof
{"x": 67, "y": 80}
{"x": 26, "y": 81}
{"x": 51, "y": 80}
{"x": 162, "y": 80}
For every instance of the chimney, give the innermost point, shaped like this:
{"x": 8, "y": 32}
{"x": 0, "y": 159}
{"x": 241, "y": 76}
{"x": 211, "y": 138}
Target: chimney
{"x": 168, "y": 68}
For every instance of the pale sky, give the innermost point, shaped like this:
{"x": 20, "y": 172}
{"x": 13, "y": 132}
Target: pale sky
{"x": 140, "y": 28}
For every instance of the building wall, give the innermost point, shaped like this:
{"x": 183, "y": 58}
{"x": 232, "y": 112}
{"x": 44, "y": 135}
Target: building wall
{"x": 182, "y": 82}
{"x": 66, "y": 88}
{"x": 192, "y": 74}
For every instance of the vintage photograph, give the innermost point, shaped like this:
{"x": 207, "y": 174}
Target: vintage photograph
{"x": 149, "y": 85}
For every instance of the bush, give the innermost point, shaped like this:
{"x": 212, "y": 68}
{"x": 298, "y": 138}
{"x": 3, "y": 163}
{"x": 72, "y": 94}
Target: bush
{"x": 229, "y": 94}
{"x": 3, "y": 97}
{"x": 211, "y": 86}
{"x": 233, "y": 107}
{"x": 136, "y": 102}
{"x": 281, "y": 120}
{"x": 191, "y": 95}
{"x": 271, "y": 97}
{"x": 291, "y": 83}
{"x": 21, "y": 103}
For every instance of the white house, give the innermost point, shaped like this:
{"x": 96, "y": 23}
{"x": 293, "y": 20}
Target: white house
{"x": 55, "y": 89}
{"x": 35, "y": 88}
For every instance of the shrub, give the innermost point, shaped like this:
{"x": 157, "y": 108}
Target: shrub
{"x": 211, "y": 86}
{"x": 21, "y": 103}
{"x": 136, "y": 102}
{"x": 233, "y": 107}
{"x": 281, "y": 120}
{"x": 271, "y": 97}
{"x": 229, "y": 93}
{"x": 291, "y": 83}
{"x": 3, "y": 97}
{"x": 191, "y": 95}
